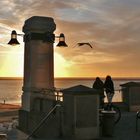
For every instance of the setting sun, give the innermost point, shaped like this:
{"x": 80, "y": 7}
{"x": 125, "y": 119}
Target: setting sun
{"x": 60, "y": 66}
{"x": 12, "y": 65}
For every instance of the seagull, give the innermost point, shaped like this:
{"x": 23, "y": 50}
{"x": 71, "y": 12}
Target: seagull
{"x": 84, "y": 43}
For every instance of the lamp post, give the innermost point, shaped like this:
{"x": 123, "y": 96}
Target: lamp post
{"x": 38, "y": 56}
{"x": 38, "y": 68}
{"x": 13, "y": 40}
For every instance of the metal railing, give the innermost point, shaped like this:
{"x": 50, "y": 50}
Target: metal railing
{"x": 54, "y": 93}
{"x": 43, "y": 120}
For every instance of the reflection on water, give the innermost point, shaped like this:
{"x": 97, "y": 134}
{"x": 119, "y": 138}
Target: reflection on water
{"x": 11, "y": 90}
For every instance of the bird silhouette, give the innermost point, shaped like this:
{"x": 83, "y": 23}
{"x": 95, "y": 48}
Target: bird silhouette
{"x": 84, "y": 43}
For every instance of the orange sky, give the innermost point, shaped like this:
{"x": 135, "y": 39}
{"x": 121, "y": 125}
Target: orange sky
{"x": 112, "y": 27}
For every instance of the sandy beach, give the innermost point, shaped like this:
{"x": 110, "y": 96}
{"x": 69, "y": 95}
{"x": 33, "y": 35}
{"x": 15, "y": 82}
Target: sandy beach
{"x": 8, "y": 106}
{"x": 8, "y": 112}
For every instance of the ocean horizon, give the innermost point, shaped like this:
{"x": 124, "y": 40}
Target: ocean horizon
{"x": 11, "y": 87}
{"x": 115, "y": 78}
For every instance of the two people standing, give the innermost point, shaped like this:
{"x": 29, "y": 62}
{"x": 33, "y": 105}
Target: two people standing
{"x": 108, "y": 86}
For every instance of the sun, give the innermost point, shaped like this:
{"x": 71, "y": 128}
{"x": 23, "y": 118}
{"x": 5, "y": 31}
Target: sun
{"x": 12, "y": 62}
{"x": 61, "y": 66}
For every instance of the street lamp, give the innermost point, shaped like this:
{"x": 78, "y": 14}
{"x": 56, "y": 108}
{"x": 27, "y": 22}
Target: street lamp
{"x": 61, "y": 42}
{"x": 13, "y": 40}
{"x": 38, "y": 40}
{"x": 38, "y": 66}
{"x": 45, "y": 37}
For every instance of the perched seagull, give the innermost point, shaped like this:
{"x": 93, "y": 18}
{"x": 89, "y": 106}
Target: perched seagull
{"x": 84, "y": 43}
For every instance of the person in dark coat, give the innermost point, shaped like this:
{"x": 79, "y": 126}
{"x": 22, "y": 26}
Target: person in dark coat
{"x": 109, "y": 88}
{"x": 99, "y": 85}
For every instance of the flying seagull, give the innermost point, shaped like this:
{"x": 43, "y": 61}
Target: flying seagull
{"x": 84, "y": 43}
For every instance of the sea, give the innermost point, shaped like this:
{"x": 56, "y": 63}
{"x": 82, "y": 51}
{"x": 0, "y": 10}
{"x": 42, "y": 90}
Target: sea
{"x": 11, "y": 89}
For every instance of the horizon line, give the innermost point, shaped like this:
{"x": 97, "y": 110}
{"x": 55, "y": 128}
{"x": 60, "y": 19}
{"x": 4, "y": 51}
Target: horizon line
{"x": 117, "y": 78}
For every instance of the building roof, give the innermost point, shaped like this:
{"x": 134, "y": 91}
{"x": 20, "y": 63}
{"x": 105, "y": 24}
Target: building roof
{"x": 79, "y": 89}
{"x": 131, "y": 84}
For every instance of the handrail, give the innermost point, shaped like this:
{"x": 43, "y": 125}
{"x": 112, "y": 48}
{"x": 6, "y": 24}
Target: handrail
{"x": 57, "y": 94}
{"x": 42, "y": 121}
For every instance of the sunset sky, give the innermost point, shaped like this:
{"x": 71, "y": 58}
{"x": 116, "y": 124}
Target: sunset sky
{"x": 112, "y": 27}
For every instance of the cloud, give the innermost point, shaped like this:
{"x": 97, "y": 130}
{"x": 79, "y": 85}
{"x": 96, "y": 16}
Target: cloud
{"x": 111, "y": 26}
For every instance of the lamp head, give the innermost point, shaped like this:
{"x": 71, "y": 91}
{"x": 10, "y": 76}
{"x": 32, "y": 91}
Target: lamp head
{"x": 62, "y": 42}
{"x": 13, "y": 40}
